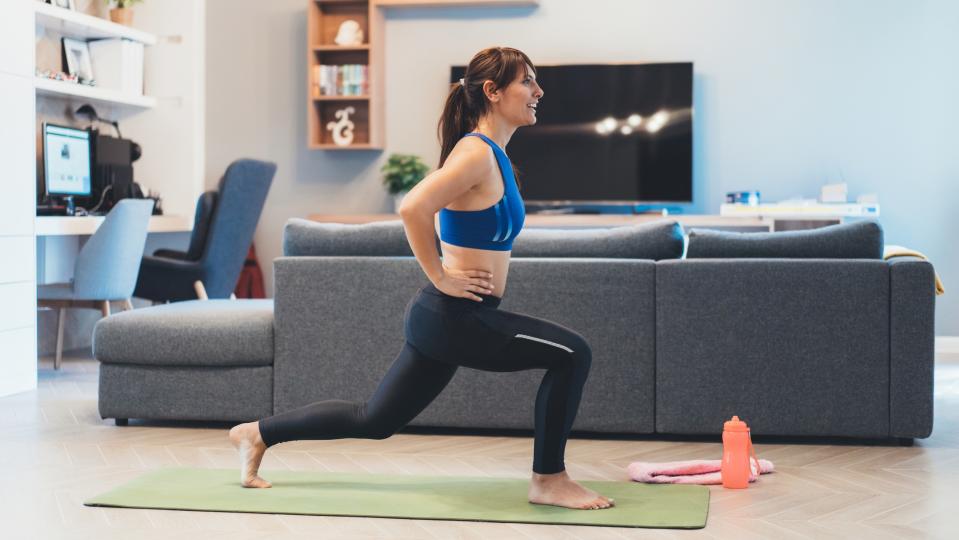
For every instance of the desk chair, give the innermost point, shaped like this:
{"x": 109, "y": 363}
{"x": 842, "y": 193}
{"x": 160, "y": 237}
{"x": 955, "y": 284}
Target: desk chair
{"x": 223, "y": 229}
{"x": 106, "y": 267}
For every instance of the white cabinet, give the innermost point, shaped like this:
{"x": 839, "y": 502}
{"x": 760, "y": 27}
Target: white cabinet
{"x": 18, "y": 362}
{"x": 17, "y": 154}
{"x": 19, "y": 301}
{"x": 18, "y": 289}
{"x": 16, "y": 37}
{"x": 15, "y": 249}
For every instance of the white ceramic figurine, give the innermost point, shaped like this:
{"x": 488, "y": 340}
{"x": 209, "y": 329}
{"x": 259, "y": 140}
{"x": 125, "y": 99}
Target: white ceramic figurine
{"x": 342, "y": 129}
{"x": 349, "y": 33}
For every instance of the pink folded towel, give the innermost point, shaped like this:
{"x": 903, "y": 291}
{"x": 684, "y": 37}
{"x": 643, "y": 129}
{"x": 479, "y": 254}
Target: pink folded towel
{"x": 696, "y": 471}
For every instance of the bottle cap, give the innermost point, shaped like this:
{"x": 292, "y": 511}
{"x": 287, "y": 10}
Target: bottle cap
{"x": 735, "y": 425}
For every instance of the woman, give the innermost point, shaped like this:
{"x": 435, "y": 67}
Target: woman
{"x": 455, "y": 321}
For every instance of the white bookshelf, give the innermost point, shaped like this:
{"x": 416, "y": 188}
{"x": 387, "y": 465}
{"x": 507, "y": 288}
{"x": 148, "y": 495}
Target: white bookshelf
{"x": 79, "y": 25}
{"x": 82, "y": 26}
{"x": 103, "y": 96}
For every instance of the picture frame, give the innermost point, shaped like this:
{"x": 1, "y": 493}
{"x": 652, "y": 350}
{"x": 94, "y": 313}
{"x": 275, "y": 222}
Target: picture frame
{"x": 65, "y": 4}
{"x": 76, "y": 59}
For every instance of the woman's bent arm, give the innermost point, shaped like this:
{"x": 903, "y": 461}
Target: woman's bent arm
{"x": 466, "y": 165}
{"x": 421, "y": 235}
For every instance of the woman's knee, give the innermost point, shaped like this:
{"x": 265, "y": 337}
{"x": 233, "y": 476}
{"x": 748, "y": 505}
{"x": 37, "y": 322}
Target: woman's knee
{"x": 380, "y": 432}
{"x": 374, "y": 426}
{"x": 581, "y": 347}
{"x": 581, "y": 354}
{"x": 583, "y": 359}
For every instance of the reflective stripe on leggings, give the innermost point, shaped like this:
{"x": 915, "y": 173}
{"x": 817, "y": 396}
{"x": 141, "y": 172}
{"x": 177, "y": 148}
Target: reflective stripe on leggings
{"x": 565, "y": 348}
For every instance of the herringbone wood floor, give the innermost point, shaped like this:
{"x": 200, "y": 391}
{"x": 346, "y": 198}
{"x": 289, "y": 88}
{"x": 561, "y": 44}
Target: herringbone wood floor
{"x": 57, "y": 452}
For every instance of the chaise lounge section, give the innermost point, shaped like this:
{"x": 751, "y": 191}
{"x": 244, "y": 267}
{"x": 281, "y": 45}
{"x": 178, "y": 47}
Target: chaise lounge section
{"x": 194, "y": 360}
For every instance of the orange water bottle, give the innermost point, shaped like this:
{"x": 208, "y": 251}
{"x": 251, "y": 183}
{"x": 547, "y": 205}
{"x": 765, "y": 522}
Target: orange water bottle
{"x": 737, "y": 450}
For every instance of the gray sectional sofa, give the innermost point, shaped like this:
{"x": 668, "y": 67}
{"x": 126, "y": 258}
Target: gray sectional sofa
{"x": 832, "y": 341}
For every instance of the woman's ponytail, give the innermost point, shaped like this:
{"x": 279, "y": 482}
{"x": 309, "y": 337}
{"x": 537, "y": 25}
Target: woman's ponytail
{"x": 456, "y": 120}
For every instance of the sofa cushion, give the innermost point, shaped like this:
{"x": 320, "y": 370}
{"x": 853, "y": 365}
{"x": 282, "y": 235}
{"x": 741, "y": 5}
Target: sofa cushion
{"x": 191, "y": 333}
{"x": 797, "y": 347}
{"x": 302, "y": 237}
{"x": 858, "y": 240}
{"x": 656, "y": 241}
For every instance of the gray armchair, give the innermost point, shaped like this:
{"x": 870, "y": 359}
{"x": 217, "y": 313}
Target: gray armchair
{"x": 221, "y": 238}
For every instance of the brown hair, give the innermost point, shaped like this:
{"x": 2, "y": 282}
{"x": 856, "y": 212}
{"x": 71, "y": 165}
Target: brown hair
{"x": 467, "y": 103}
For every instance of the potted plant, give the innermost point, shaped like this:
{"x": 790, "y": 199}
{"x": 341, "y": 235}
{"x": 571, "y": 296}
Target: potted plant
{"x": 400, "y": 174}
{"x": 122, "y": 11}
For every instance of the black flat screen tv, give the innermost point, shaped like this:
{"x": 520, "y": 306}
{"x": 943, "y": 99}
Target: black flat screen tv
{"x": 607, "y": 134}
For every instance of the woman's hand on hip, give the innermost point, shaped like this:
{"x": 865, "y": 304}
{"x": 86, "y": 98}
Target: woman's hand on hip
{"x": 464, "y": 283}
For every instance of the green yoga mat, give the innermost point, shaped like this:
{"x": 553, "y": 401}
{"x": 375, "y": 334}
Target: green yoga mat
{"x": 405, "y": 496}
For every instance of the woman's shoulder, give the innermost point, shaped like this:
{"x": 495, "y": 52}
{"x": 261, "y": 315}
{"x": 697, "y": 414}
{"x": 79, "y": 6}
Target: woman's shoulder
{"x": 472, "y": 143}
{"x": 472, "y": 151}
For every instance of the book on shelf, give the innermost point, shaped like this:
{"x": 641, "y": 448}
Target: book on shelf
{"x": 340, "y": 80}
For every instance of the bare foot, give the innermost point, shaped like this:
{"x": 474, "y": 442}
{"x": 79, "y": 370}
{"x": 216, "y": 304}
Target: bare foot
{"x": 246, "y": 439}
{"x": 560, "y": 490}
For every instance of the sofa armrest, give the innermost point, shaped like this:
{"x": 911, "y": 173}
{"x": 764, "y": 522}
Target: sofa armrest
{"x": 912, "y": 346}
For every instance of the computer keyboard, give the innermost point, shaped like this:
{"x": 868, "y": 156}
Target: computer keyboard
{"x": 51, "y": 210}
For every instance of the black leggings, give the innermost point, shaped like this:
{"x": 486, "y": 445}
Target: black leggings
{"x": 442, "y": 333}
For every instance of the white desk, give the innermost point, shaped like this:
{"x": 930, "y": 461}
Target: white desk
{"x": 87, "y": 225}
{"x": 59, "y": 239}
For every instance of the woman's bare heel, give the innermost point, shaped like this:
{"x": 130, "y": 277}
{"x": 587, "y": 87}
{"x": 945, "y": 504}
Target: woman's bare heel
{"x": 246, "y": 439}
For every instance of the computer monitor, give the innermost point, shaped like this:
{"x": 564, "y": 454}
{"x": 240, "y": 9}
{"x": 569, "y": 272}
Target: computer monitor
{"x": 66, "y": 161}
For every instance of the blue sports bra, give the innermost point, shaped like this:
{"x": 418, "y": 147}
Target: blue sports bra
{"x": 493, "y": 228}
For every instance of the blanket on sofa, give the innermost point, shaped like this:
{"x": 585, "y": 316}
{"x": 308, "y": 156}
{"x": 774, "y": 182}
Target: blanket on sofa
{"x": 891, "y": 251}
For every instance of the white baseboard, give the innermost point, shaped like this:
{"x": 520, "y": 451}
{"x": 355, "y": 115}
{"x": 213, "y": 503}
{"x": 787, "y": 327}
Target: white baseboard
{"x": 947, "y": 348}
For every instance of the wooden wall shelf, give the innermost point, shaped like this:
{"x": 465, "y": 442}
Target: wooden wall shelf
{"x": 340, "y": 48}
{"x": 456, "y": 3}
{"x": 331, "y": 146}
{"x": 324, "y": 18}
{"x": 341, "y": 98}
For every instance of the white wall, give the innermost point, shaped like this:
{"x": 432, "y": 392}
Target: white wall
{"x": 173, "y": 134}
{"x": 789, "y": 95}
{"x": 18, "y": 302}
